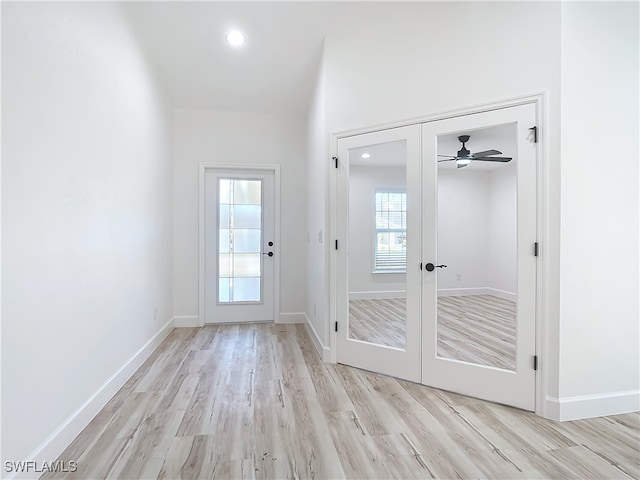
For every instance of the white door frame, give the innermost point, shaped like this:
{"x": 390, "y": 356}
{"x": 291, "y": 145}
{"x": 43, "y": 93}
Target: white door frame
{"x": 545, "y": 267}
{"x": 204, "y": 167}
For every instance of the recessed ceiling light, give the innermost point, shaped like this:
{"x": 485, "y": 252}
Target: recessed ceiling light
{"x": 236, "y": 38}
{"x": 365, "y": 155}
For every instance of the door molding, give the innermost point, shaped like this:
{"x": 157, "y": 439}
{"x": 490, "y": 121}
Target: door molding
{"x": 544, "y": 306}
{"x": 205, "y": 167}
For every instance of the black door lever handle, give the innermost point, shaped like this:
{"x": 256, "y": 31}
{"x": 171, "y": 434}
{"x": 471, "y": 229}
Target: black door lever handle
{"x": 269, "y": 253}
{"x": 431, "y": 267}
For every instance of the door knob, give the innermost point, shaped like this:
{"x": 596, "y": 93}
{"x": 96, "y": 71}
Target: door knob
{"x": 431, "y": 267}
{"x": 269, "y": 253}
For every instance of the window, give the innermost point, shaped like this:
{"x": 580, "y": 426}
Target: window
{"x": 239, "y": 240}
{"x": 390, "y": 249}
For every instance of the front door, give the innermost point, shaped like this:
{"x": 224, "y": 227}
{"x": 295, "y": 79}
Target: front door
{"x": 378, "y": 252}
{"x": 239, "y": 258}
{"x": 479, "y": 234}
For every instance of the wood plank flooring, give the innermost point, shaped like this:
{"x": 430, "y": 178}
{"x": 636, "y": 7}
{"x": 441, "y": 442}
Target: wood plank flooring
{"x": 379, "y": 321}
{"x": 257, "y": 402}
{"x": 478, "y": 329}
{"x": 473, "y": 328}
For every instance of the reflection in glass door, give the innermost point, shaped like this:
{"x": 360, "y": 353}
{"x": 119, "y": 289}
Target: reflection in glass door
{"x": 378, "y": 244}
{"x": 378, "y": 265}
{"x": 477, "y": 233}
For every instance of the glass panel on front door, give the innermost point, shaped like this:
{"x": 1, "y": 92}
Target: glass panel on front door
{"x": 239, "y": 240}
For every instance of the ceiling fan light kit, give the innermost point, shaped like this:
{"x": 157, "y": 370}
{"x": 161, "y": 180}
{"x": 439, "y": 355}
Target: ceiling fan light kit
{"x": 464, "y": 157}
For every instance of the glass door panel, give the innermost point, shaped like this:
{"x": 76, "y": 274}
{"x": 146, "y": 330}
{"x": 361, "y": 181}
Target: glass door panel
{"x": 239, "y": 240}
{"x": 477, "y": 232}
{"x": 378, "y": 297}
{"x": 378, "y": 244}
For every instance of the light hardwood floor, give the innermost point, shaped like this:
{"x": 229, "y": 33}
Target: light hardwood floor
{"x": 379, "y": 321}
{"x": 473, "y": 328}
{"x": 256, "y": 401}
{"x": 478, "y": 329}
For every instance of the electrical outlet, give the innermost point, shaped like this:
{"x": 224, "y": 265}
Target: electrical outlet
{"x": 320, "y": 236}
{"x": 458, "y": 277}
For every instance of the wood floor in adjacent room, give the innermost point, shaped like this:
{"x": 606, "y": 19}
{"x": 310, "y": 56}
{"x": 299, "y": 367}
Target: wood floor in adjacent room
{"x": 478, "y": 329}
{"x": 256, "y": 401}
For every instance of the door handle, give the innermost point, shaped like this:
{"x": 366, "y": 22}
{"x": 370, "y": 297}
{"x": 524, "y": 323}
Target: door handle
{"x": 431, "y": 267}
{"x": 269, "y": 253}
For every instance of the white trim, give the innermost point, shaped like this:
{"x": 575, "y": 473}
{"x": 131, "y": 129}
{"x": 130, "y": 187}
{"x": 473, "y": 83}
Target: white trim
{"x": 186, "y": 321}
{"x": 61, "y": 438}
{"x": 502, "y": 294}
{"x": 589, "y": 406}
{"x": 434, "y": 117}
{"x": 202, "y": 168}
{"x": 292, "y": 317}
{"x": 377, "y": 295}
{"x": 461, "y": 292}
{"x": 323, "y": 351}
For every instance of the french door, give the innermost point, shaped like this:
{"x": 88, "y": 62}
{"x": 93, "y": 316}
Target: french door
{"x": 378, "y": 297}
{"x": 239, "y": 249}
{"x": 436, "y": 265}
{"x": 479, "y": 234}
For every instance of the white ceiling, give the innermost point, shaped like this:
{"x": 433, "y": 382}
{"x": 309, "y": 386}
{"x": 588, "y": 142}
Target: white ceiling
{"x": 273, "y": 72}
{"x": 393, "y": 154}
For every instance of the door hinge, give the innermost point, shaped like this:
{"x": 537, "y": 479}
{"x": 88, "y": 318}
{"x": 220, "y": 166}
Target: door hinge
{"x": 535, "y": 362}
{"x": 536, "y": 249}
{"x": 336, "y": 244}
{"x": 336, "y": 326}
{"x": 535, "y": 134}
{"x": 335, "y": 159}
{"x": 420, "y": 265}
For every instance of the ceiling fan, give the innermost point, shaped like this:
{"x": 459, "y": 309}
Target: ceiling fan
{"x": 465, "y": 157}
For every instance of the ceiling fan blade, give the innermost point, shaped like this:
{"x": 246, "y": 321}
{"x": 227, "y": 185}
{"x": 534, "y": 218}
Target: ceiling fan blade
{"x": 486, "y": 153}
{"x": 493, "y": 159}
{"x": 447, "y": 160}
{"x": 450, "y": 156}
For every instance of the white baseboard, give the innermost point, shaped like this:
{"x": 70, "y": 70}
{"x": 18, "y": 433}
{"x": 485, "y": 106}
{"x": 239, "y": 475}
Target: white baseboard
{"x": 589, "y": 406}
{"x": 512, "y": 297}
{"x": 292, "y": 317}
{"x": 377, "y": 295}
{"x": 461, "y": 292}
{"x": 186, "y": 321}
{"x": 51, "y": 448}
{"x": 317, "y": 341}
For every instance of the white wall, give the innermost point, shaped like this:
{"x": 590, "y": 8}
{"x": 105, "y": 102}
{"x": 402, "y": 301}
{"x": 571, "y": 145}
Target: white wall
{"x": 599, "y": 326}
{"x": 364, "y": 181}
{"x": 86, "y": 216}
{"x": 502, "y": 229}
{"x": 462, "y": 228}
{"x": 318, "y": 160}
{"x": 207, "y": 136}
